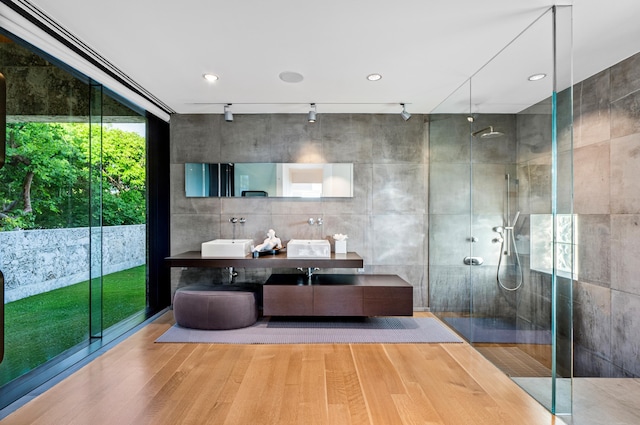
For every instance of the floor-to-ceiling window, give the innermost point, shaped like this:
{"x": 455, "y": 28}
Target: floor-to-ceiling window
{"x": 73, "y": 217}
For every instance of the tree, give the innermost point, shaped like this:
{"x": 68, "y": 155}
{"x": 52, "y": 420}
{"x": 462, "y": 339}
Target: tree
{"x": 45, "y": 182}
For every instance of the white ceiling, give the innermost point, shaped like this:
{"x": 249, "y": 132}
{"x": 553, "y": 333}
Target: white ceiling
{"x": 423, "y": 49}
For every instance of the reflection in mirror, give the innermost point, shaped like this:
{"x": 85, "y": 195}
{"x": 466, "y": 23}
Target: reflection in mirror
{"x": 269, "y": 180}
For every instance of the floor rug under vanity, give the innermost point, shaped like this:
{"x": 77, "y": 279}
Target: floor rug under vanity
{"x": 373, "y": 330}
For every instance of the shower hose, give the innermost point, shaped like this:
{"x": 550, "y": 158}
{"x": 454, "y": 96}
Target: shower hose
{"x": 510, "y": 238}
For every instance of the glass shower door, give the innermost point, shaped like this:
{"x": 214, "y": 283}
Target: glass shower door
{"x": 502, "y": 248}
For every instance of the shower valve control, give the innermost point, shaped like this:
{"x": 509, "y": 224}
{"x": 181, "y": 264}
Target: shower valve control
{"x": 473, "y": 261}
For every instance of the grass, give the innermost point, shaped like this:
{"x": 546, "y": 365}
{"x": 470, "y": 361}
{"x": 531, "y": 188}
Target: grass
{"x": 42, "y": 326}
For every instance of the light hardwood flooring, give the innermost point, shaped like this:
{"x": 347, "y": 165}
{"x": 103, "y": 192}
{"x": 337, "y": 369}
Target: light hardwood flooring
{"x": 142, "y": 382}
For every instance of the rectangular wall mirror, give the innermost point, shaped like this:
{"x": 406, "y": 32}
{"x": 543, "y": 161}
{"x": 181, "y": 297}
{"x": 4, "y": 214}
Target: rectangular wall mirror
{"x": 269, "y": 180}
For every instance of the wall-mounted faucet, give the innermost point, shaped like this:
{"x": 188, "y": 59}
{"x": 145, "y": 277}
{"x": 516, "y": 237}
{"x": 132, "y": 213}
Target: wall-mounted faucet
{"x": 234, "y": 220}
{"x": 232, "y": 274}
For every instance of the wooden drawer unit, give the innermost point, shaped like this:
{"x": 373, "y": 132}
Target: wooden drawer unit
{"x": 337, "y": 295}
{"x": 287, "y": 300}
{"x": 337, "y": 300}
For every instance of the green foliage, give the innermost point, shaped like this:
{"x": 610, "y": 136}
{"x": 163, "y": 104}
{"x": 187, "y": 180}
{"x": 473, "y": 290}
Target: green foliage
{"x": 55, "y": 159}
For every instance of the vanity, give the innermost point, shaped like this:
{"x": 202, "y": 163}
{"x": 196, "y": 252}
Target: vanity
{"x": 318, "y": 294}
{"x": 337, "y": 295}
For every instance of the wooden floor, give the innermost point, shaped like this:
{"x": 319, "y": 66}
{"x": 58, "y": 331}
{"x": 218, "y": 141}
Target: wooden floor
{"x": 141, "y": 382}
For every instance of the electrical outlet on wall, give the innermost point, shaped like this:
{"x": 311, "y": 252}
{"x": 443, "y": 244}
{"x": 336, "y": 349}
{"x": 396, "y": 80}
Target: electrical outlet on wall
{"x": 361, "y": 270}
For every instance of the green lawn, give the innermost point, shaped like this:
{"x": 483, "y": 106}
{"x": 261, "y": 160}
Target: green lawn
{"x": 40, "y": 327}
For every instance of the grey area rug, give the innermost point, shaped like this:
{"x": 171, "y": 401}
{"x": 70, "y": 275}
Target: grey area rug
{"x": 374, "y": 330}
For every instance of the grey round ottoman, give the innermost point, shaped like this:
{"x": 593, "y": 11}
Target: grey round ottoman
{"x": 200, "y": 308}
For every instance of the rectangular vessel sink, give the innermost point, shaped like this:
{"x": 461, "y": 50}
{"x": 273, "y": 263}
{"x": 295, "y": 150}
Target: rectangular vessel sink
{"x": 308, "y": 248}
{"x": 227, "y": 248}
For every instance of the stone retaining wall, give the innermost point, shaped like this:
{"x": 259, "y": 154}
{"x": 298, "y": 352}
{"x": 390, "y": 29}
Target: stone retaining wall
{"x": 36, "y": 261}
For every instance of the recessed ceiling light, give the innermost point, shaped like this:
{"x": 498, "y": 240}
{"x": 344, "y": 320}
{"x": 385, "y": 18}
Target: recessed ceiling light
{"x": 374, "y": 77}
{"x": 291, "y": 77}
{"x": 210, "y": 77}
{"x": 536, "y": 77}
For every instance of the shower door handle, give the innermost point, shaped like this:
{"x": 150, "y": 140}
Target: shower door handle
{"x": 473, "y": 261}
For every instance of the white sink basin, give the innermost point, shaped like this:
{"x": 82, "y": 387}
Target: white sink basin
{"x": 308, "y": 248}
{"x": 227, "y": 248}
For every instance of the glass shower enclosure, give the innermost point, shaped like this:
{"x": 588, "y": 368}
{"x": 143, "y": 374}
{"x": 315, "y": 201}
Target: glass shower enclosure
{"x": 501, "y": 248}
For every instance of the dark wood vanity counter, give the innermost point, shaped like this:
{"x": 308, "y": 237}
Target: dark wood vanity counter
{"x": 337, "y": 295}
{"x": 195, "y": 259}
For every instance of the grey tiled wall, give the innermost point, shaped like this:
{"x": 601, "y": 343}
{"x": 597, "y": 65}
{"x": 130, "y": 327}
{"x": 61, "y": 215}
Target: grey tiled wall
{"x": 468, "y": 177}
{"x": 386, "y": 220}
{"x": 607, "y": 201}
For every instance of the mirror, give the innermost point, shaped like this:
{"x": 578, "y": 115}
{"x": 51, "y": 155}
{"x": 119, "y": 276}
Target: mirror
{"x": 269, "y": 180}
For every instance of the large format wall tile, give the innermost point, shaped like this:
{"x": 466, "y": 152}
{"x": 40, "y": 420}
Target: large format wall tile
{"x": 450, "y": 239}
{"x": 592, "y": 319}
{"x": 591, "y": 179}
{"x": 344, "y": 138}
{"x": 625, "y": 115}
{"x": 402, "y": 142}
{"x": 195, "y": 138}
{"x": 449, "y": 139}
{"x": 626, "y": 332}
{"x": 625, "y": 251}
{"x": 534, "y": 135}
{"x": 625, "y": 77}
{"x": 592, "y": 122}
{"x": 535, "y": 186}
{"x": 245, "y": 139}
{"x": 449, "y": 188}
{"x": 625, "y": 174}
{"x": 188, "y": 231}
{"x": 594, "y": 249}
{"x": 398, "y": 239}
{"x": 490, "y": 189}
{"x": 399, "y": 188}
{"x": 450, "y": 289}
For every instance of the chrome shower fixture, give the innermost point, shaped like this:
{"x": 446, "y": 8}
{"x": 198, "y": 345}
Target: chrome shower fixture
{"x": 488, "y": 133}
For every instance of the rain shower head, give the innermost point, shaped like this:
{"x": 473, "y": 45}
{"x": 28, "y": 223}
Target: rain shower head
{"x": 487, "y": 133}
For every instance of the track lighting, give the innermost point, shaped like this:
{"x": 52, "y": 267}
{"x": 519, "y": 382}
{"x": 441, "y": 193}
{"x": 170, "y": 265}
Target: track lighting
{"x": 228, "y": 115}
{"x": 312, "y": 113}
{"x": 404, "y": 114}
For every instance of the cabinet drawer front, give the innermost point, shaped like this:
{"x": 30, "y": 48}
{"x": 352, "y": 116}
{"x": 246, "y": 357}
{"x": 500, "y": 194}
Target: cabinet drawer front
{"x": 388, "y": 301}
{"x": 287, "y": 300}
{"x": 337, "y": 301}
